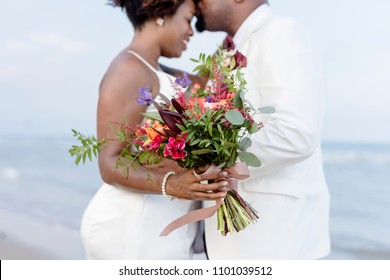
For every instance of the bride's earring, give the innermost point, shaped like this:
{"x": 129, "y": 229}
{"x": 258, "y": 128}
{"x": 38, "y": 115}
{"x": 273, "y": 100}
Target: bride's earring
{"x": 160, "y": 21}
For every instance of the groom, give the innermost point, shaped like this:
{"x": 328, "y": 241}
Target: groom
{"x": 289, "y": 189}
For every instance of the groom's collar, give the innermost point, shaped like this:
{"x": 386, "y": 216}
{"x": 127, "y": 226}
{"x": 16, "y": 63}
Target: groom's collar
{"x": 252, "y": 22}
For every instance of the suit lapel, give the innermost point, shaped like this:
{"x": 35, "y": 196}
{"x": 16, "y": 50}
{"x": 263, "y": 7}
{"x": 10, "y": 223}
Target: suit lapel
{"x": 255, "y": 21}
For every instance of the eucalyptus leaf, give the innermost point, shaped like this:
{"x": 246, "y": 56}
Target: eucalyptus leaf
{"x": 253, "y": 128}
{"x": 242, "y": 94}
{"x": 245, "y": 143}
{"x": 250, "y": 159}
{"x": 266, "y": 110}
{"x": 234, "y": 117}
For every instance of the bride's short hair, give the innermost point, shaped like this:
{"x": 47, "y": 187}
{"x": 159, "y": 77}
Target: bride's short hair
{"x": 140, "y": 11}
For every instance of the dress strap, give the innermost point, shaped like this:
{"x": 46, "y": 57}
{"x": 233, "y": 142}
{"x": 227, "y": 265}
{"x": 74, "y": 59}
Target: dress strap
{"x": 143, "y": 60}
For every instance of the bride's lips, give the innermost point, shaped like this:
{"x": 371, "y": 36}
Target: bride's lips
{"x": 185, "y": 42}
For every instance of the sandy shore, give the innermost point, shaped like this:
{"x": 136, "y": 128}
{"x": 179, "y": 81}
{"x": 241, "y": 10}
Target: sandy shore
{"x": 23, "y": 238}
{"x": 13, "y": 251}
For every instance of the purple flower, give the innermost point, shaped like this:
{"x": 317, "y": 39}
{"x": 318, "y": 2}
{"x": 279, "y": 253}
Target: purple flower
{"x": 209, "y": 99}
{"x": 146, "y": 97}
{"x": 185, "y": 82}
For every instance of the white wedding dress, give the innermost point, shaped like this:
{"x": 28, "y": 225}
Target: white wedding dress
{"x": 121, "y": 224}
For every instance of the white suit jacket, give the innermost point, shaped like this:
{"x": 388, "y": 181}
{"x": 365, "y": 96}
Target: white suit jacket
{"x": 289, "y": 189}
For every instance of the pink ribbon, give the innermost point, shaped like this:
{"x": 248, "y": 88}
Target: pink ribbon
{"x": 239, "y": 171}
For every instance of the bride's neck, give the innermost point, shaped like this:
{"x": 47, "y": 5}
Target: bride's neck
{"x": 146, "y": 47}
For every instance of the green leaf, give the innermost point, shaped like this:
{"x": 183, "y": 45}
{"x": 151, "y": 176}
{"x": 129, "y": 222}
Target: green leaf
{"x": 78, "y": 158}
{"x": 227, "y": 153}
{"x": 266, "y": 110}
{"x": 234, "y": 117}
{"x": 89, "y": 152}
{"x": 89, "y": 145}
{"x": 210, "y": 129}
{"x": 84, "y": 157}
{"x": 190, "y": 135}
{"x": 204, "y": 141}
{"x": 232, "y": 63}
{"x": 201, "y": 151}
{"x": 198, "y": 68}
{"x": 229, "y": 145}
{"x": 253, "y": 128}
{"x": 245, "y": 144}
{"x": 196, "y": 141}
{"x": 231, "y": 161}
{"x": 250, "y": 159}
{"x": 153, "y": 115}
{"x": 238, "y": 101}
{"x": 220, "y": 130}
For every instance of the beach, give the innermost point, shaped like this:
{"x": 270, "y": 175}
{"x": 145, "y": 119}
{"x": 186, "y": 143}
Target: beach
{"x": 23, "y": 238}
{"x": 43, "y": 195}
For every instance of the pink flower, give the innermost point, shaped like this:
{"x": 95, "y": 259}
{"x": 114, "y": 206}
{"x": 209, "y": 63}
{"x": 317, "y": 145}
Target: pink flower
{"x": 154, "y": 145}
{"x": 175, "y": 148}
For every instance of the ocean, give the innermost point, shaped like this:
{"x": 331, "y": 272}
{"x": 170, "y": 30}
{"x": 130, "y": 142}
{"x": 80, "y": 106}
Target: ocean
{"x": 39, "y": 179}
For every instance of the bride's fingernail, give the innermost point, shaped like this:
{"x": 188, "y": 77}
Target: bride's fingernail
{"x": 225, "y": 183}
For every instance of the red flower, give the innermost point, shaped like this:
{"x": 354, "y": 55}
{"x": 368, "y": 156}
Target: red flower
{"x": 228, "y": 43}
{"x": 240, "y": 59}
{"x": 155, "y": 144}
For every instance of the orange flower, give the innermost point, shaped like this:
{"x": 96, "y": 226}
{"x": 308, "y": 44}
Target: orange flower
{"x": 196, "y": 101}
{"x": 153, "y": 131}
{"x": 223, "y": 103}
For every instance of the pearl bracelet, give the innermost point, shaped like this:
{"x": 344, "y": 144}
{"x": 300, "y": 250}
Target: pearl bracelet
{"x": 164, "y": 185}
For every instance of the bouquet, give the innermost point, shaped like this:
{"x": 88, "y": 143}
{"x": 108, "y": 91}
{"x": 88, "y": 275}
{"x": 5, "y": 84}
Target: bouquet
{"x": 198, "y": 127}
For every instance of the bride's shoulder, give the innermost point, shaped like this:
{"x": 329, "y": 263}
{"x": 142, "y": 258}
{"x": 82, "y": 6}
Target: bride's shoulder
{"x": 129, "y": 70}
{"x": 125, "y": 75}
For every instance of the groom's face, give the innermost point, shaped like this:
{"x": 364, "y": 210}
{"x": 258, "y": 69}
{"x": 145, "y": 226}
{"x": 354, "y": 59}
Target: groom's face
{"x": 211, "y": 14}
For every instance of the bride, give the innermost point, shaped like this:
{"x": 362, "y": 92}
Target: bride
{"x": 125, "y": 217}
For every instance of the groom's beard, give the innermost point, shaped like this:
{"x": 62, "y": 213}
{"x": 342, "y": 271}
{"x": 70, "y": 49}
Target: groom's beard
{"x": 200, "y": 24}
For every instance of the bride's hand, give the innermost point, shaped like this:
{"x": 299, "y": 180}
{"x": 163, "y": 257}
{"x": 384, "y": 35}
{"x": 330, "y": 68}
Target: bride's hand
{"x": 189, "y": 186}
{"x": 165, "y": 166}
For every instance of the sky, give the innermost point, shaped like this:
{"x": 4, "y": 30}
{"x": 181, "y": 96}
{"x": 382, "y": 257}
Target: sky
{"x": 53, "y": 55}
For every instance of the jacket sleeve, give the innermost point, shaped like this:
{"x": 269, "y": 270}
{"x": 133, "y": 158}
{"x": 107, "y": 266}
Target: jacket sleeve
{"x": 283, "y": 73}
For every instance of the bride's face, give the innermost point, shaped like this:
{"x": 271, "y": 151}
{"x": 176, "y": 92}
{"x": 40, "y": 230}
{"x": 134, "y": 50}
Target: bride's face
{"x": 178, "y": 30}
